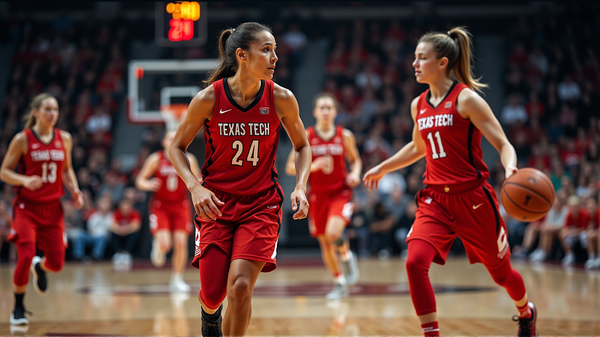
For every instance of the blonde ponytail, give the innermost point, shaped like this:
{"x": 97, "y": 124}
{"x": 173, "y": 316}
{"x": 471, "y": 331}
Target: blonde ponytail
{"x": 36, "y": 103}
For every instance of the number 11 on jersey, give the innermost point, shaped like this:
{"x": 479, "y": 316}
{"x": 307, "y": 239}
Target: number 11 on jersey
{"x": 435, "y": 154}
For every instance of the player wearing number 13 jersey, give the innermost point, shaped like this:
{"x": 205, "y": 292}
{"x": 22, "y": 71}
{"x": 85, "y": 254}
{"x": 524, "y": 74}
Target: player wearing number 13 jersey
{"x": 42, "y": 154}
{"x": 450, "y": 119}
{"x": 169, "y": 209}
{"x": 239, "y": 203}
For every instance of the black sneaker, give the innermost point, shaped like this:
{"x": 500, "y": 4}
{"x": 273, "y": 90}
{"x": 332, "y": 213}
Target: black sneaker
{"x": 18, "y": 316}
{"x": 40, "y": 282}
{"x": 527, "y": 326}
{"x": 212, "y": 328}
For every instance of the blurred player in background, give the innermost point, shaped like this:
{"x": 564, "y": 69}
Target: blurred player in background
{"x": 43, "y": 155}
{"x": 239, "y": 203}
{"x": 170, "y": 210}
{"x": 450, "y": 119}
{"x": 330, "y": 192}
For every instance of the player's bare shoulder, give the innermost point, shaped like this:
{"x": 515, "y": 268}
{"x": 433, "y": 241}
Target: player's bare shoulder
{"x": 413, "y": 107}
{"x": 203, "y": 102}
{"x": 19, "y": 142}
{"x": 284, "y": 99}
{"x": 66, "y": 137}
{"x": 469, "y": 102}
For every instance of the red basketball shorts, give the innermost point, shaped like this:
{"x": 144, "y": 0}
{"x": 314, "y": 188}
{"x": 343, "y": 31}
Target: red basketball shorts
{"x": 38, "y": 222}
{"x": 248, "y": 229}
{"x": 324, "y": 205}
{"x": 170, "y": 216}
{"x": 473, "y": 216}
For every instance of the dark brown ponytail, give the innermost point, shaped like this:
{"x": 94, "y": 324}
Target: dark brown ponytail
{"x": 229, "y": 41}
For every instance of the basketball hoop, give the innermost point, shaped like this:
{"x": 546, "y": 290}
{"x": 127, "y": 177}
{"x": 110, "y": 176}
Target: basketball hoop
{"x": 173, "y": 114}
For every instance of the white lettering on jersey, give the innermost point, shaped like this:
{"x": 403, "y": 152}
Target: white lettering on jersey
{"x": 325, "y": 149}
{"x": 435, "y": 121}
{"x": 241, "y": 129}
{"x": 46, "y": 155}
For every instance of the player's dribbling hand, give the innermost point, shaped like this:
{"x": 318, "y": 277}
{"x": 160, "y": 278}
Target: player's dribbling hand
{"x": 33, "y": 183}
{"x": 510, "y": 170}
{"x": 372, "y": 177}
{"x": 78, "y": 200}
{"x": 155, "y": 184}
{"x": 299, "y": 204}
{"x": 205, "y": 203}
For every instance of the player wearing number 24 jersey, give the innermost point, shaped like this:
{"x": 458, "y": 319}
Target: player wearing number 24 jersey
{"x": 239, "y": 203}
{"x": 457, "y": 201}
{"x": 169, "y": 210}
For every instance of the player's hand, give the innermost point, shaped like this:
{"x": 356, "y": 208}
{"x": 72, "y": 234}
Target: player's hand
{"x": 372, "y": 177}
{"x": 352, "y": 180}
{"x": 205, "y": 203}
{"x": 510, "y": 170}
{"x": 33, "y": 183}
{"x": 78, "y": 199}
{"x": 155, "y": 184}
{"x": 324, "y": 163}
{"x": 299, "y": 204}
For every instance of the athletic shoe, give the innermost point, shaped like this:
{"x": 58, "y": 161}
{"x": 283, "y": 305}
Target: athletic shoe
{"x": 351, "y": 271}
{"x": 18, "y": 316}
{"x": 538, "y": 255}
{"x": 157, "y": 257}
{"x": 597, "y": 262}
{"x": 590, "y": 263}
{"x": 568, "y": 260}
{"x": 339, "y": 292}
{"x": 177, "y": 284}
{"x": 40, "y": 282}
{"x": 527, "y": 326}
{"x": 212, "y": 329}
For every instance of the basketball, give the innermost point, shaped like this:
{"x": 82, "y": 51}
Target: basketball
{"x": 527, "y": 195}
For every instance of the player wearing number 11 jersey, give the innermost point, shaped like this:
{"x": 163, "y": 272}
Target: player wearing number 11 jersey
{"x": 239, "y": 203}
{"x": 450, "y": 119}
{"x": 169, "y": 209}
{"x": 42, "y": 154}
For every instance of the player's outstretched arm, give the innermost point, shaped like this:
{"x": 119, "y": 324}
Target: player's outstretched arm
{"x": 69, "y": 177}
{"x": 200, "y": 110}
{"x": 474, "y": 107}
{"x": 16, "y": 149}
{"x": 408, "y": 154}
{"x": 289, "y": 114}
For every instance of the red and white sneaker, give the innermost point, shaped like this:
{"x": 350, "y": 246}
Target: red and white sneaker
{"x": 527, "y": 326}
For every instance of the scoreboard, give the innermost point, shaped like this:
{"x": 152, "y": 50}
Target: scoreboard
{"x": 180, "y": 23}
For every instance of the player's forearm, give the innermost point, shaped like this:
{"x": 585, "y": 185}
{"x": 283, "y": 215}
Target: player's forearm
{"x": 12, "y": 178}
{"x": 182, "y": 165}
{"x": 356, "y": 166}
{"x": 70, "y": 181}
{"x": 143, "y": 184}
{"x": 508, "y": 155}
{"x": 407, "y": 155}
{"x": 302, "y": 166}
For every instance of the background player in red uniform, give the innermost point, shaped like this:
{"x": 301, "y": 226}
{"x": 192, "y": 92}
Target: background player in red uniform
{"x": 170, "y": 211}
{"x": 330, "y": 191}
{"x": 43, "y": 155}
{"x": 239, "y": 202}
{"x": 449, "y": 121}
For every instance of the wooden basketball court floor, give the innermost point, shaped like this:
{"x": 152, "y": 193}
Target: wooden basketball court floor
{"x": 96, "y": 300}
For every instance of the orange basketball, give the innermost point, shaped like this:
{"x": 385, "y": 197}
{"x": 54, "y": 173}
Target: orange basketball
{"x": 527, "y": 195}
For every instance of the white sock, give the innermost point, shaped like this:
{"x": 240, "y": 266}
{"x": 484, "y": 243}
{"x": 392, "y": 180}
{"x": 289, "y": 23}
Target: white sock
{"x": 341, "y": 279}
{"x": 346, "y": 255}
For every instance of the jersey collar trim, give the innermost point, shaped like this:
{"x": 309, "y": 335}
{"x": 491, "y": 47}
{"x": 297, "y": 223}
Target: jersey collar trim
{"x": 442, "y": 101}
{"x": 234, "y": 103}
{"x": 40, "y": 140}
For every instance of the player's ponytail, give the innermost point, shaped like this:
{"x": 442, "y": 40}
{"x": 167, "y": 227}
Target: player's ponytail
{"x": 229, "y": 41}
{"x": 36, "y": 103}
{"x": 456, "y": 45}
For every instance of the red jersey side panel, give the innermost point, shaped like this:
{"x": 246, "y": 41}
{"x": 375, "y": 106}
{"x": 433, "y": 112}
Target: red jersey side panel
{"x": 453, "y": 143}
{"x": 45, "y": 161}
{"x": 172, "y": 188}
{"x": 334, "y": 148}
{"x": 241, "y": 143}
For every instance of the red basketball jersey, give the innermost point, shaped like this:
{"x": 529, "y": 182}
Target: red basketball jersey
{"x": 241, "y": 143}
{"x": 334, "y": 147}
{"x": 172, "y": 188}
{"x": 45, "y": 161}
{"x": 454, "y": 154}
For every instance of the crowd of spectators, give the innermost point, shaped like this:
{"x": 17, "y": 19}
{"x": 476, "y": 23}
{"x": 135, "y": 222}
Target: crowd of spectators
{"x": 551, "y": 88}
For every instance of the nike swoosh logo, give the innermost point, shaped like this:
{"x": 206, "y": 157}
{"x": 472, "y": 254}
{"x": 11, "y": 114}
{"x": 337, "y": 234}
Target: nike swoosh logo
{"x": 221, "y": 111}
{"x": 477, "y": 206}
{"x": 422, "y": 111}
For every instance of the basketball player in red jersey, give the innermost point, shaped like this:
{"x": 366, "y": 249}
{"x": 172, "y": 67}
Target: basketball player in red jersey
{"x": 239, "y": 201}
{"x": 449, "y": 120}
{"x": 43, "y": 155}
{"x": 170, "y": 211}
{"x": 330, "y": 191}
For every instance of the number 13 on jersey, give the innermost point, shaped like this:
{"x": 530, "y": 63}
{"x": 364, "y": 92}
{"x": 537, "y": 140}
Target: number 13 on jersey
{"x": 252, "y": 156}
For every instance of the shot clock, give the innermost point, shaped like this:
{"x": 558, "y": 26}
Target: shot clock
{"x": 180, "y": 23}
